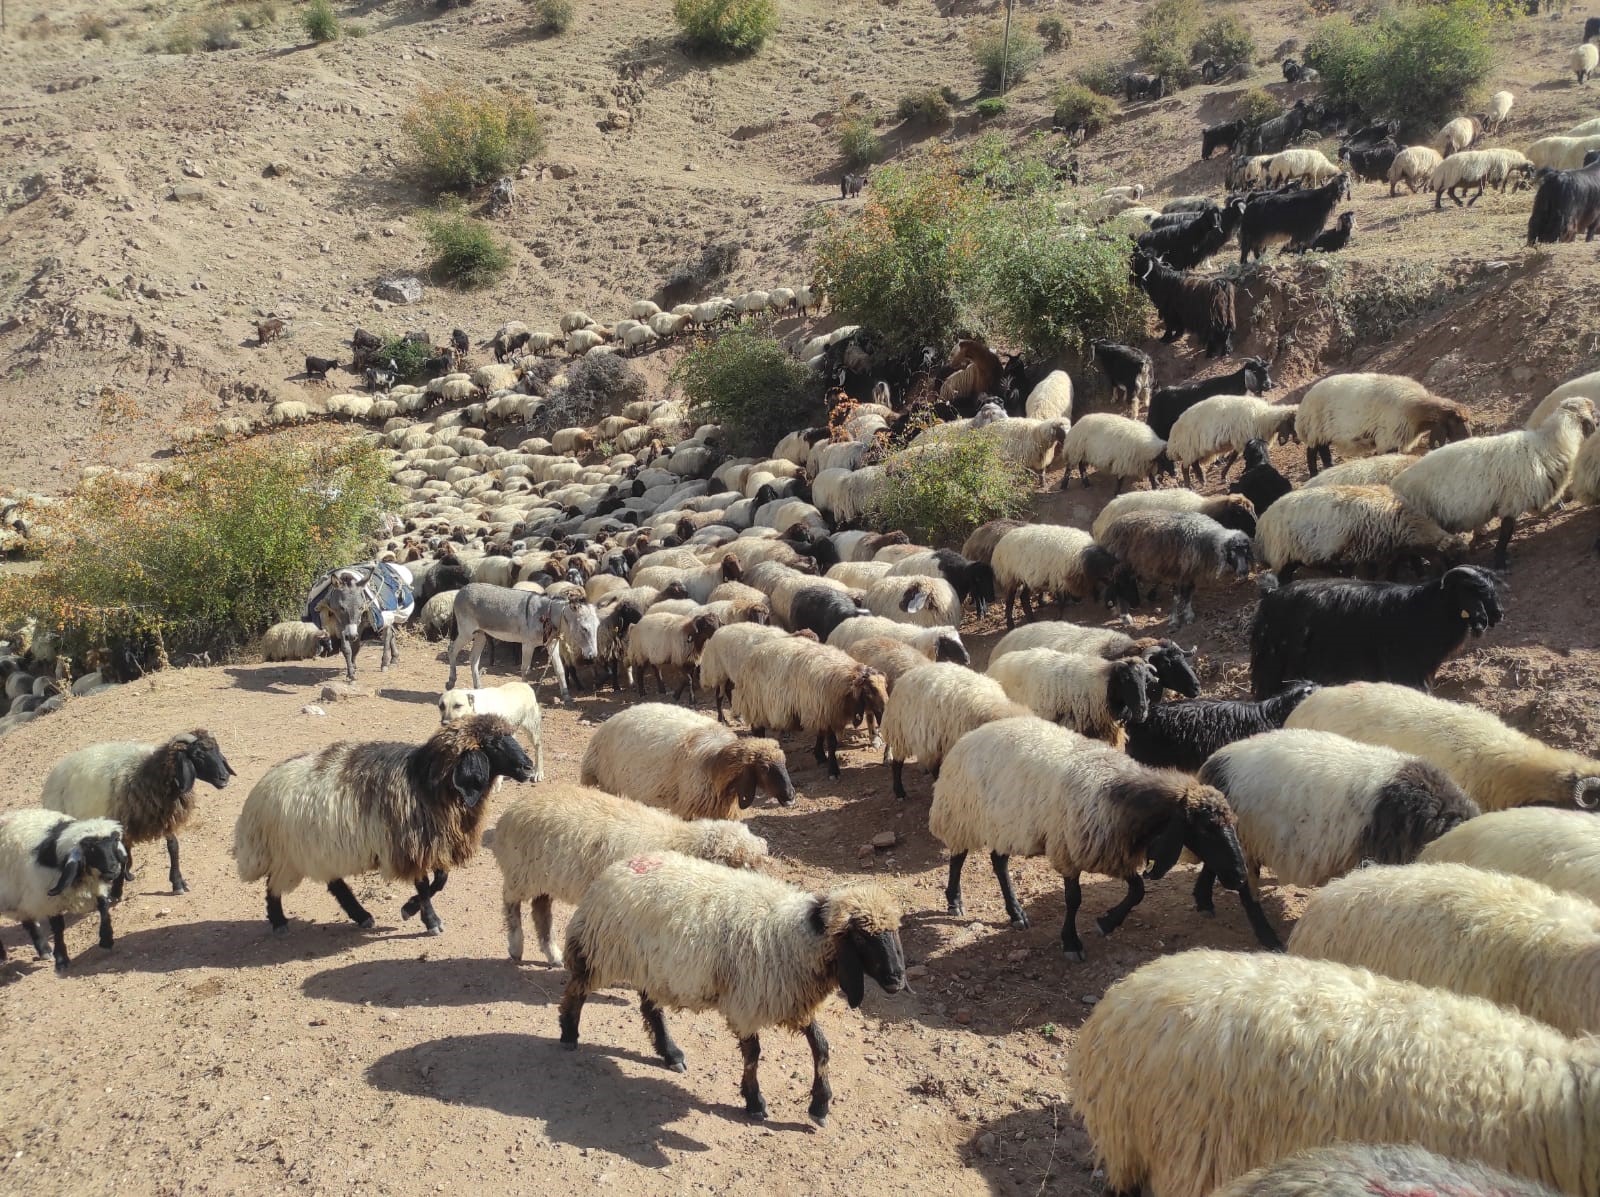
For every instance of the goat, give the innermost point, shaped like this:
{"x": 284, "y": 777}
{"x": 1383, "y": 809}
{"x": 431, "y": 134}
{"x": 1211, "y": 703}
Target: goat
{"x": 1296, "y": 217}
{"x": 1204, "y": 308}
{"x": 1566, "y": 204}
{"x": 318, "y": 367}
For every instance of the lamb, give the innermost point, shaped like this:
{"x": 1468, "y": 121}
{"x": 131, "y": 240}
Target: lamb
{"x": 1560, "y": 848}
{"x": 936, "y": 644}
{"x": 697, "y": 936}
{"x": 1363, "y": 414}
{"x": 52, "y": 866}
{"x": 1088, "y": 694}
{"x": 1230, "y": 511}
{"x": 1497, "y": 766}
{"x": 1310, "y": 167}
{"x": 1365, "y": 527}
{"x": 1172, "y": 663}
{"x": 1181, "y": 548}
{"x": 1463, "y": 486}
{"x": 1508, "y": 939}
{"x": 1170, "y": 402}
{"x": 892, "y": 658}
{"x": 294, "y": 640}
{"x": 1129, "y": 372}
{"x": 515, "y": 702}
{"x": 683, "y": 762}
{"x": 1026, "y": 786}
{"x": 794, "y": 684}
{"x": 922, "y": 601}
{"x": 1456, "y": 135}
{"x": 551, "y": 845}
{"x": 1051, "y": 398}
{"x": 931, "y": 709}
{"x": 1375, "y": 1060}
{"x": 1412, "y": 166}
{"x": 399, "y": 809}
{"x": 1498, "y": 110}
{"x": 1476, "y": 168}
{"x": 1182, "y": 735}
{"x": 1583, "y": 60}
{"x": 1566, "y": 204}
{"x": 1115, "y": 445}
{"x": 1204, "y": 308}
{"x": 667, "y": 641}
{"x": 1362, "y": 1170}
{"x": 1224, "y": 424}
{"x": 1045, "y": 557}
{"x": 148, "y": 789}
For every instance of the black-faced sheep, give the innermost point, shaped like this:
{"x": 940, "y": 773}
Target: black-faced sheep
{"x": 972, "y": 580}
{"x": 1170, "y": 402}
{"x": 1036, "y": 558}
{"x": 1559, "y": 848}
{"x": 52, "y": 866}
{"x": 1179, "y": 548}
{"x": 1230, "y": 511}
{"x": 1222, "y": 426}
{"x": 1365, "y": 414}
{"x": 932, "y": 709}
{"x": 1202, "y": 307}
{"x": 1173, "y": 664}
{"x": 1086, "y": 694}
{"x": 794, "y": 684}
{"x": 399, "y": 809}
{"x": 1294, "y": 217}
{"x": 1182, "y": 735}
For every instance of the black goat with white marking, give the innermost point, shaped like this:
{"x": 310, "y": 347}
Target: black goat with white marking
{"x": 1181, "y": 735}
{"x": 1170, "y": 402}
{"x": 1203, "y": 308}
{"x": 1293, "y": 217}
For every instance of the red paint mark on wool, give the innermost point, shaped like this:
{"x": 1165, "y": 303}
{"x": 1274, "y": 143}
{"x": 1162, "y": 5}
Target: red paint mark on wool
{"x": 644, "y": 864}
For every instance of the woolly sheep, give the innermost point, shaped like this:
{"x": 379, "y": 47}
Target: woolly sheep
{"x": 552, "y": 844}
{"x": 146, "y": 788}
{"x": 397, "y": 809}
{"x": 667, "y": 641}
{"x": 293, "y": 640}
{"x": 1497, "y": 766}
{"x": 921, "y": 601}
{"x": 1179, "y": 548}
{"x": 1051, "y": 398}
{"x": 1224, "y": 424}
{"x": 1030, "y": 443}
{"x": 1374, "y": 1060}
{"x": 725, "y": 658}
{"x": 1125, "y": 449}
{"x": 515, "y": 702}
{"x": 858, "y": 575}
{"x": 1172, "y": 663}
{"x": 1560, "y": 848}
{"x": 1026, "y": 786}
{"x": 52, "y": 866}
{"x": 1365, "y": 527}
{"x": 1583, "y": 60}
{"x": 1584, "y": 386}
{"x": 575, "y": 320}
{"x": 795, "y": 684}
{"x": 932, "y": 708}
{"x": 1231, "y": 511}
{"x": 1561, "y": 153}
{"x": 892, "y": 658}
{"x": 1036, "y": 558}
{"x": 1463, "y": 486}
{"x": 1498, "y": 108}
{"x": 683, "y": 762}
{"x": 1363, "y": 471}
{"x": 1087, "y": 694}
{"x": 1413, "y": 166}
{"x": 1362, "y": 1170}
{"x": 1475, "y": 168}
{"x": 936, "y": 644}
{"x": 1456, "y": 135}
{"x": 1311, "y": 167}
{"x": 692, "y": 935}
{"x": 1363, "y": 414}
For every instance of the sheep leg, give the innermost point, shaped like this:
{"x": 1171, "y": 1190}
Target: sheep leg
{"x": 660, "y": 1038}
{"x": 1227, "y": 464}
{"x": 1502, "y": 548}
{"x": 179, "y": 885}
{"x": 1203, "y": 888}
{"x": 513, "y": 913}
{"x": 897, "y": 771}
{"x": 821, "y": 1091}
{"x": 661, "y": 682}
{"x": 1027, "y": 604}
{"x": 104, "y": 907}
{"x": 755, "y": 1106}
{"x": 833, "y": 753}
{"x": 952, "y": 889}
{"x": 540, "y": 907}
{"x": 58, "y": 934}
{"x": 1326, "y": 454}
{"x": 1071, "y": 945}
{"x": 1011, "y": 596}
{"x": 638, "y": 678}
{"x": 41, "y": 945}
{"x": 718, "y": 696}
{"x": 572, "y": 998}
{"x": 275, "y": 913}
{"x": 1112, "y": 919}
{"x": 1002, "y": 874}
{"x": 347, "y": 902}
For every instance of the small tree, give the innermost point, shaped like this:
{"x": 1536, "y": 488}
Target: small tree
{"x": 727, "y": 26}
{"x": 747, "y": 383}
{"x": 990, "y": 49}
{"x": 320, "y": 21}
{"x": 466, "y": 251}
{"x": 1076, "y": 107}
{"x": 1226, "y": 40}
{"x": 991, "y": 107}
{"x": 1168, "y": 30}
{"x": 1102, "y": 78}
{"x": 1258, "y": 106}
{"x": 554, "y": 16}
{"x": 928, "y": 105}
{"x": 1056, "y": 34}
{"x": 942, "y": 492}
{"x": 464, "y": 138}
{"x": 407, "y": 355}
{"x": 858, "y": 144}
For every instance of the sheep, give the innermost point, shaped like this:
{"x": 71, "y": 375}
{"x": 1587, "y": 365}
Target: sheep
{"x": 1588, "y": 128}
{"x": 1026, "y": 786}
{"x": 1224, "y": 424}
{"x": 1051, "y": 397}
{"x": 1366, "y": 527}
{"x": 1562, "y": 152}
{"x": 146, "y": 788}
{"x": 552, "y": 844}
{"x": 1583, "y": 60}
{"x": 794, "y": 684}
{"x": 892, "y": 658}
{"x": 1038, "y": 557}
{"x": 1204, "y": 308}
{"x": 936, "y": 644}
{"x": 1560, "y": 848}
{"x": 1182, "y": 735}
{"x": 725, "y": 658}
{"x": 52, "y": 866}
{"x": 1374, "y": 1060}
{"x": 1412, "y": 166}
{"x": 969, "y": 579}
{"x": 1032, "y": 444}
{"x": 1172, "y": 663}
{"x": 1586, "y": 386}
{"x": 858, "y": 575}
{"x": 1362, "y": 471}
{"x": 1088, "y": 694}
{"x": 1462, "y": 486}
{"x": 698, "y": 581}
{"x": 693, "y": 935}
{"x": 1311, "y": 167}
{"x": 1259, "y": 483}
{"x": 1499, "y": 108}
{"x": 1363, "y": 414}
{"x": 668, "y": 641}
{"x": 1129, "y": 372}
{"x": 684, "y": 762}
{"x": 1497, "y": 766}
{"x": 294, "y": 640}
{"x": 1480, "y": 168}
{"x": 1566, "y": 204}
{"x": 1170, "y": 402}
{"x": 1486, "y": 934}
{"x": 399, "y": 809}
{"x": 1230, "y": 511}
{"x": 515, "y": 702}
{"x": 1456, "y": 135}
{"x": 922, "y": 601}
{"x": 1361, "y": 1170}
{"x": 931, "y": 709}
{"x": 1115, "y": 445}
{"x": 1180, "y": 548}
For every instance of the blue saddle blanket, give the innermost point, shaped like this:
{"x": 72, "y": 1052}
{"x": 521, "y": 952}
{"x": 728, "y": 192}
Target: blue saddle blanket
{"x": 388, "y": 586}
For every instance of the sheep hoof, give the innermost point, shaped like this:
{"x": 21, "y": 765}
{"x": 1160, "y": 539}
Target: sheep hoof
{"x": 436, "y": 929}
{"x": 1075, "y": 955}
{"x": 952, "y": 908}
{"x": 570, "y": 1045}
{"x": 1209, "y": 912}
{"x": 756, "y": 1113}
{"x": 180, "y": 886}
{"x": 1020, "y": 922}
{"x": 367, "y": 923}
{"x": 283, "y": 930}
{"x": 819, "y": 1120}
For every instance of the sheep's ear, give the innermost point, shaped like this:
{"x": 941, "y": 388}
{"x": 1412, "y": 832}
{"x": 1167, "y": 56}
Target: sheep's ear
{"x": 183, "y": 769}
{"x": 472, "y": 776}
{"x": 1163, "y": 851}
{"x": 71, "y": 870}
{"x": 745, "y": 785}
{"x": 847, "y": 966}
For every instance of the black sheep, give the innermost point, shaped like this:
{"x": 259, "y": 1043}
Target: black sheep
{"x": 1296, "y": 217}
{"x": 1222, "y": 136}
{"x": 1591, "y": 29}
{"x": 1138, "y": 86}
{"x": 1185, "y": 246}
{"x": 969, "y": 579}
{"x": 1331, "y": 240}
{"x": 318, "y": 367}
{"x": 1340, "y": 630}
{"x": 1261, "y": 483}
{"x": 1370, "y": 162}
{"x": 1170, "y": 402}
{"x": 448, "y": 573}
{"x": 1129, "y": 371}
{"x": 1181, "y": 735}
{"x": 1204, "y": 308}
{"x": 1566, "y": 204}
{"x": 820, "y": 609}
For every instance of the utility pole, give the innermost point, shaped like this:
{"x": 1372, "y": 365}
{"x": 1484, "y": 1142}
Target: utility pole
{"x": 1005, "y": 51}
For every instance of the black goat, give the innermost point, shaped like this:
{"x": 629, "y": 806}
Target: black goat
{"x": 1591, "y": 29}
{"x": 1139, "y": 86}
{"x": 1340, "y": 630}
{"x": 1261, "y": 482}
{"x": 1295, "y": 217}
{"x": 459, "y": 340}
{"x": 1566, "y": 204}
{"x": 364, "y": 344}
{"x": 1370, "y": 162}
{"x": 1203, "y": 308}
{"x": 1181, "y": 735}
{"x": 1292, "y": 70}
{"x": 1223, "y": 136}
{"x": 1374, "y": 133}
{"x": 1272, "y": 136}
{"x": 1129, "y": 371}
{"x": 504, "y": 346}
{"x": 850, "y": 185}
{"x": 439, "y": 364}
{"x": 318, "y": 367}
{"x": 1185, "y": 246}
{"x": 1331, "y": 240}
{"x": 1170, "y": 402}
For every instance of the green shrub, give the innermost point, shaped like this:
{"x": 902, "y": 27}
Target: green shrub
{"x": 207, "y": 553}
{"x": 465, "y": 137}
{"x": 1056, "y": 34}
{"x": 1171, "y": 62}
{"x": 1227, "y": 41}
{"x": 1257, "y": 106}
{"x": 218, "y": 33}
{"x": 929, "y": 105}
{"x": 320, "y": 21}
{"x": 554, "y": 16}
{"x": 988, "y": 109}
{"x": 93, "y": 28}
{"x": 407, "y": 356}
{"x": 1078, "y": 107}
{"x": 858, "y": 144}
{"x": 1008, "y": 172}
{"x": 747, "y": 383}
{"x": 941, "y": 493}
{"x": 181, "y": 39}
{"x": 466, "y": 251}
{"x": 727, "y": 26}
{"x": 1168, "y": 30}
{"x": 990, "y": 50}
{"x": 1102, "y": 78}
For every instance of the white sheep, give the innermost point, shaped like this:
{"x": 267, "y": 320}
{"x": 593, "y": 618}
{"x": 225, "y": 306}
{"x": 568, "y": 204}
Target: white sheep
{"x": 1124, "y": 448}
{"x": 1498, "y": 109}
{"x": 1456, "y": 135}
{"x": 553, "y": 843}
{"x": 683, "y": 762}
{"x": 892, "y": 658}
{"x": 1562, "y": 153}
{"x": 1224, "y": 424}
{"x": 1362, "y": 471}
{"x": 847, "y": 495}
{"x": 1032, "y": 444}
{"x": 1090, "y": 695}
{"x": 725, "y": 658}
{"x": 1051, "y": 398}
{"x": 1583, "y": 60}
{"x": 1413, "y": 166}
{"x": 52, "y": 866}
{"x": 795, "y": 684}
{"x": 1475, "y": 168}
{"x": 1374, "y": 1060}
{"x": 692, "y": 935}
{"x": 666, "y": 641}
{"x": 858, "y": 575}
{"x": 1560, "y": 848}
{"x": 921, "y": 601}
{"x": 581, "y": 340}
{"x": 643, "y": 309}
{"x": 937, "y": 644}
{"x": 932, "y": 708}
{"x": 1584, "y": 386}
{"x": 515, "y": 702}
{"x": 293, "y": 640}
{"x": 1497, "y": 766}
{"x": 1036, "y": 558}
{"x": 1462, "y": 486}
{"x": 1311, "y": 167}
{"x": 1361, "y": 1170}
{"x": 1484, "y": 934}
{"x": 1358, "y": 526}
{"x": 575, "y": 320}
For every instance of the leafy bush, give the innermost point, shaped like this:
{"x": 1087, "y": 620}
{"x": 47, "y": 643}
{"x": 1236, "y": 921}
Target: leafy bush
{"x": 93, "y": 28}
{"x": 320, "y": 21}
{"x": 597, "y": 386}
{"x": 218, "y": 33}
{"x": 1006, "y": 171}
{"x": 1257, "y": 106}
{"x": 1055, "y": 33}
{"x": 1102, "y": 78}
{"x": 1171, "y": 62}
{"x": 941, "y": 493}
{"x": 1227, "y": 41}
{"x": 205, "y": 554}
{"x": 858, "y": 144}
{"x": 988, "y": 109}
{"x": 1076, "y": 106}
{"x": 928, "y": 105}
{"x": 466, "y": 251}
{"x": 181, "y": 39}
{"x": 554, "y": 16}
{"x": 1168, "y": 30}
{"x": 467, "y": 137}
{"x": 259, "y": 16}
{"x": 747, "y": 383}
{"x": 990, "y": 49}
{"x": 407, "y": 356}
{"x": 727, "y": 26}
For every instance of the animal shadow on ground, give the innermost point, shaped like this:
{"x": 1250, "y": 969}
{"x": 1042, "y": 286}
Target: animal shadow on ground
{"x": 463, "y": 981}
{"x": 576, "y": 1095}
{"x": 223, "y": 943}
{"x": 286, "y": 679}
{"x": 1038, "y": 1149}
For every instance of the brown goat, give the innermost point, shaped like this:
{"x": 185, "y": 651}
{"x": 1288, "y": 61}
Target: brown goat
{"x": 268, "y": 330}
